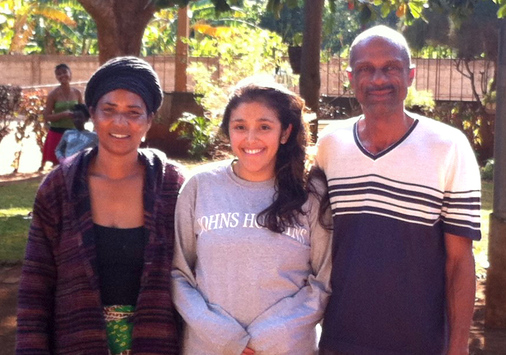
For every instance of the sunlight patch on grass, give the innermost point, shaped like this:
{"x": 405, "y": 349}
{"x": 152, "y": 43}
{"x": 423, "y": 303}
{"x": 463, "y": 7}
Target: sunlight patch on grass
{"x": 14, "y": 211}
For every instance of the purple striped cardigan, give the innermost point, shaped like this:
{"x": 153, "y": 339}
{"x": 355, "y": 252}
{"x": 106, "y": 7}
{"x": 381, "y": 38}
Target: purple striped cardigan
{"x": 59, "y": 306}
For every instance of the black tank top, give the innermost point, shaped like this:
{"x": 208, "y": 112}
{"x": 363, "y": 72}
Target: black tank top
{"x": 120, "y": 256}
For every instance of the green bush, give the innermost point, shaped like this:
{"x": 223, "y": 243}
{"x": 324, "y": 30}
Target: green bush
{"x": 31, "y": 106}
{"x": 477, "y": 125}
{"x": 9, "y": 102}
{"x": 201, "y": 131}
{"x": 420, "y": 100}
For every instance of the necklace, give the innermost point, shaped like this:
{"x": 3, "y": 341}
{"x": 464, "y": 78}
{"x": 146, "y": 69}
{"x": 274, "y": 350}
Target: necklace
{"x": 109, "y": 178}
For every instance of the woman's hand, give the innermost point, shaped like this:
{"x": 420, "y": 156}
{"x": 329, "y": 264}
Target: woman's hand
{"x": 248, "y": 351}
{"x": 69, "y": 114}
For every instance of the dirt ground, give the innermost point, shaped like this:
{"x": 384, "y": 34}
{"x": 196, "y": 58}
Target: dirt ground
{"x": 484, "y": 341}
{"x": 9, "y": 278}
{"x": 481, "y": 342}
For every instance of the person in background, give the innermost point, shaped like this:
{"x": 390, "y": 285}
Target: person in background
{"x": 75, "y": 140}
{"x": 405, "y": 197}
{"x": 251, "y": 262}
{"x": 58, "y": 112}
{"x": 96, "y": 274}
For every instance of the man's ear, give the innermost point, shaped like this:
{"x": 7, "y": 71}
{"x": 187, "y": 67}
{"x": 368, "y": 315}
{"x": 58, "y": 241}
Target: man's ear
{"x": 350, "y": 75}
{"x": 412, "y": 72}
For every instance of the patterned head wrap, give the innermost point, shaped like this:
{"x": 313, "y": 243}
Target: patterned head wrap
{"x": 128, "y": 73}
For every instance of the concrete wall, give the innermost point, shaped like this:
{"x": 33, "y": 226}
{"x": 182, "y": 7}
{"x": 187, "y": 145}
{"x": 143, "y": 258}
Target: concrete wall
{"x": 38, "y": 70}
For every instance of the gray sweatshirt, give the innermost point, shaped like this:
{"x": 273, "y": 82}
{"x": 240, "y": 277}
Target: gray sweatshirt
{"x": 238, "y": 284}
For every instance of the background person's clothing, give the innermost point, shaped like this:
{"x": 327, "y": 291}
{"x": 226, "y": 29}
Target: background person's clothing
{"x": 59, "y": 303}
{"x": 73, "y": 141}
{"x": 61, "y": 106}
{"x": 49, "y": 149}
{"x": 390, "y": 213}
{"x": 236, "y": 282}
{"x": 55, "y": 132}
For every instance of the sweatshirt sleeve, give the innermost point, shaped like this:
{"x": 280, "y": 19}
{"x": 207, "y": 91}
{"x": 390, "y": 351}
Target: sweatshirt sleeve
{"x": 292, "y": 320}
{"x": 213, "y": 325}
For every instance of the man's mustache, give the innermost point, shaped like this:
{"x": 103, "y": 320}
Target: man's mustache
{"x": 380, "y": 88}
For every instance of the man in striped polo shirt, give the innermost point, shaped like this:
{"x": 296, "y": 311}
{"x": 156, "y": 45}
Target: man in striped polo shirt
{"x": 405, "y": 198}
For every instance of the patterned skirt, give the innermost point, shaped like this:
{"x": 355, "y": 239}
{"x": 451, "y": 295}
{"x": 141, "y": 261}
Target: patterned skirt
{"x": 119, "y": 326}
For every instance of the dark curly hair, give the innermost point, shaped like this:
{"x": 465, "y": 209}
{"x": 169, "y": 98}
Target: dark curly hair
{"x": 61, "y": 66}
{"x": 83, "y": 109}
{"x": 290, "y": 172}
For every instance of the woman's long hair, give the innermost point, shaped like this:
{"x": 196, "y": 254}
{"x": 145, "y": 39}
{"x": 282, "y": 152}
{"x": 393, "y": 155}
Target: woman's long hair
{"x": 290, "y": 172}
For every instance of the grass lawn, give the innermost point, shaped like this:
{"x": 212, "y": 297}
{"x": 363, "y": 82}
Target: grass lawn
{"x": 16, "y": 200}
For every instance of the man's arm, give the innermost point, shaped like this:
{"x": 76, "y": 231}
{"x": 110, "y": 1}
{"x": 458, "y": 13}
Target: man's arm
{"x": 460, "y": 291}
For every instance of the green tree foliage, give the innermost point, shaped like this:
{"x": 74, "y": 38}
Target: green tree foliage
{"x": 472, "y": 37}
{"x": 21, "y": 22}
{"x": 501, "y": 12}
{"x": 31, "y": 106}
{"x": 241, "y": 52}
{"x": 287, "y": 24}
{"x": 160, "y": 34}
{"x": 56, "y": 38}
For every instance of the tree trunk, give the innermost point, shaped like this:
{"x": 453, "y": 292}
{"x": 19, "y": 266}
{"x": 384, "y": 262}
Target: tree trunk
{"x": 495, "y": 309}
{"x": 120, "y": 25}
{"x": 310, "y": 61}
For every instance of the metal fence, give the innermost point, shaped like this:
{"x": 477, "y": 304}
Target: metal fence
{"x": 440, "y": 76}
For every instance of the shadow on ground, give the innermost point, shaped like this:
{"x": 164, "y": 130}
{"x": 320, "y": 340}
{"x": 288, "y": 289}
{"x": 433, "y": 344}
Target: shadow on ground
{"x": 485, "y": 341}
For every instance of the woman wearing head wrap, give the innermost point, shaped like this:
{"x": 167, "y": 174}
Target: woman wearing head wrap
{"x": 97, "y": 267}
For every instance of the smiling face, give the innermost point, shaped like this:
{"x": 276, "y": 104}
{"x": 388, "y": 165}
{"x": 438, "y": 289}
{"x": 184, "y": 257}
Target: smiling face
{"x": 79, "y": 120}
{"x": 121, "y": 121}
{"x": 63, "y": 75}
{"x": 380, "y": 75}
{"x": 255, "y": 135}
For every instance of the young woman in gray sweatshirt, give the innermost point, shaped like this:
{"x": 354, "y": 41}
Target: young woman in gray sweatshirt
{"x": 252, "y": 255}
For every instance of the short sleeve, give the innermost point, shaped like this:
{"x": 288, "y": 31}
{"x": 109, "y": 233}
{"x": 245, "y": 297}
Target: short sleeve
{"x": 462, "y": 196}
